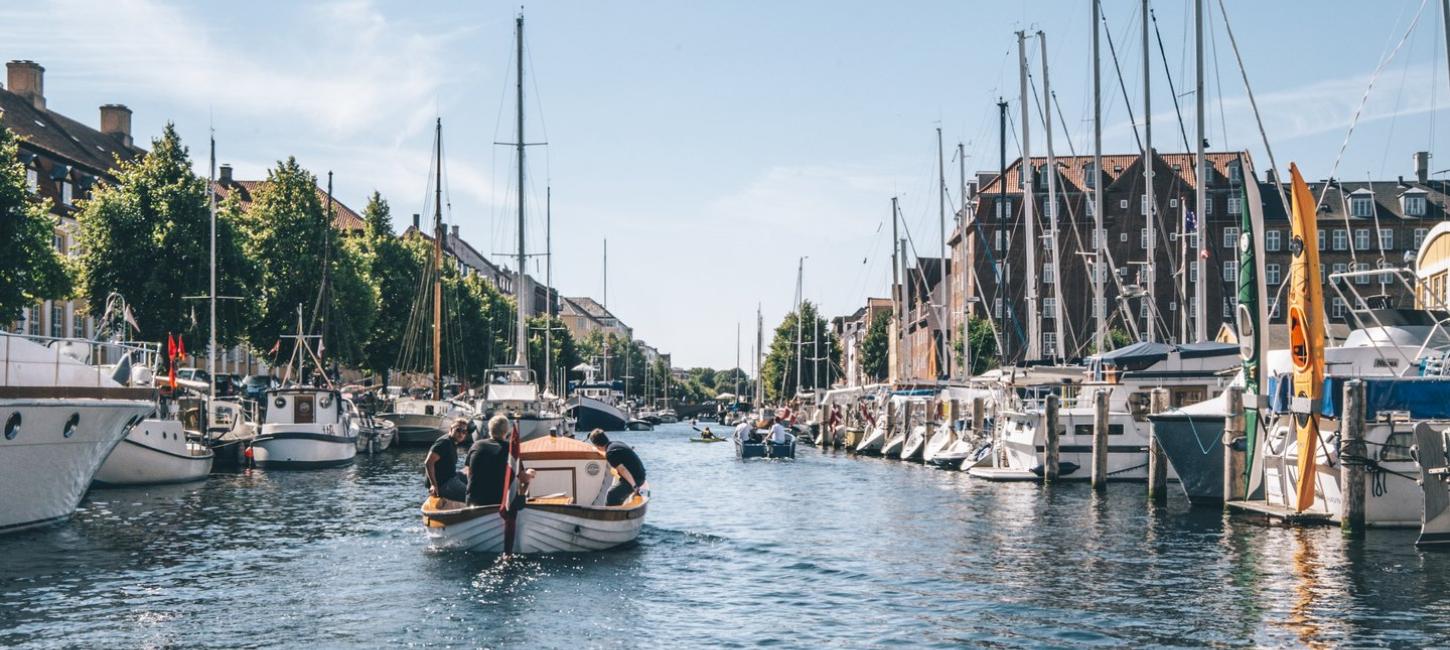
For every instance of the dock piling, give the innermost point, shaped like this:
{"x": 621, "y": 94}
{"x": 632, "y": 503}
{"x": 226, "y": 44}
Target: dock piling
{"x": 1157, "y": 462}
{"x": 1100, "y": 439}
{"x": 1234, "y": 451}
{"x": 1352, "y": 457}
{"x": 1050, "y": 452}
{"x": 979, "y": 415}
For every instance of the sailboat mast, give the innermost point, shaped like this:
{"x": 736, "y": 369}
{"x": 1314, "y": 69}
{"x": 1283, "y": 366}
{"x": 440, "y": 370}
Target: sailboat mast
{"x": 895, "y": 293}
{"x": 799, "y": 322}
{"x": 1148, "y": 201}
{"x": 1034, "y": 315}
{"x": 999, "y": 215}
{"x": 438, "y": 260}
{"x": 759, "y": 347}
{"x": 1100, "y": 261}
{"x": 549, "y": 288}
{"x": 1200, "y": 288}
{"x": 737, "y": 361}
{"x": 941, "y": 200}
{"x": 1059, "y": 340}
{"x": 211, "y": 206}
{"x": 521, "y": 289}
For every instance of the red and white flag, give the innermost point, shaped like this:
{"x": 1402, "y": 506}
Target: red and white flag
{"x": 512, "y": 491}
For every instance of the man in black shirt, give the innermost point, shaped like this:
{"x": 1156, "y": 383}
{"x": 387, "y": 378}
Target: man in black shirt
{"x": 625, "y": 462}
{"x": 487, "y": 463}
{"x": 441, "y": 465}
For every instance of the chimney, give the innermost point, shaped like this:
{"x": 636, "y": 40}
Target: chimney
{"x": 416, "y": 222}
{"x": 455, "y": 232}
{"x": 27, "y": 79}
{"x": 1422, "y": 166}
{"x": 225, "y": 177}
{"x": 116, "y": 122}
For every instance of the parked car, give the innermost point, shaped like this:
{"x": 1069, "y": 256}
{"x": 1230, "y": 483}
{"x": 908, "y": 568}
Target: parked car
{"x": 255, "y": 385}
{"x": 193, "y": 374}
{"x": 228, "y": 384}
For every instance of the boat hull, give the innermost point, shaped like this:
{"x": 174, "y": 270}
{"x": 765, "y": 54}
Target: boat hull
{"x": 764, "y": 450}
{"x": 44, "y": 473}
{"x": 1194, "y": 447}
{"x": 144, "y": 457}
{"x": 593, "y": 414}
{"x": 417, "y": 428}
{"x": 538, "y": 528}
{"x": 284, "y": 447}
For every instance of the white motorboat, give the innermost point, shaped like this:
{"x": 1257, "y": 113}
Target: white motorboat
{"x": 373, "y": 434}
{"x": 305, "y": 428}
{"x": 874, "y": 438}
{"x": 61, "y": 418}
{"x": 157, "y": 451}
{"x": 421, "y": 421}
{"x": 568, "y": 514}
{"x": 512, "y": 390}
{"x": 913, "y": 446}
{"x": 230, "y": 432}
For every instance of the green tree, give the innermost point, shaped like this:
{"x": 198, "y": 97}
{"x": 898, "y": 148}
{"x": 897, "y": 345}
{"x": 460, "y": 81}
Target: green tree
{"x": 394, "y": 266}
{"x": 779, "y": 371}
{"x": 31, "y": 270}
{"x": 159, "y": 205}
{"x": 565, "y": 355}
{"x": 289, "y": 236}
{"x": 982, "y": 343}
{"x": 876, "y": 349}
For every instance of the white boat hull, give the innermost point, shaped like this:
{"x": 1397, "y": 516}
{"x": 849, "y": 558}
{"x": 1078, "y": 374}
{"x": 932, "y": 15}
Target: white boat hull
{"x": 893, "y": 447}
{"x": 872, "y": 441}
{"x": 43, "y": 472}
{"x": 281, "y": 446}
{"x": 538, "y": 529}
{"x": 538, "y": 426}
{"x": 149, "y": 455}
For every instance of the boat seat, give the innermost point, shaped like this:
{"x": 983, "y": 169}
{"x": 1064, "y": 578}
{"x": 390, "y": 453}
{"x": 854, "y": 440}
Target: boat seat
{"x": 552, "y": 500}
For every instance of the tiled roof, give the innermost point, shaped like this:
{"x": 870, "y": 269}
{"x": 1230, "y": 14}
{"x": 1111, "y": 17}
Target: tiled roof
{"x": 62, "y": 137}
{"x": 1116, "y": 168}
{"x": 343, "y": 217}
{"x": 592, "y": 307}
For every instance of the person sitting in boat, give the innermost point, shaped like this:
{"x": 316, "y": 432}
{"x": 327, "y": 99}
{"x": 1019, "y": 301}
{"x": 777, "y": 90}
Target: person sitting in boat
{"x": 777, "y": 433}
{"x": 487, "y": 464}
{"x": 743, "y": 430}
{"x": 441, "y": 464}
{"x": 707, "y": 434}
{"x": 625, "y": 462}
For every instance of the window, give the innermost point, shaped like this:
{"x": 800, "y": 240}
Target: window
{"x": 1415, "y": 206}
{"x": 1193, "y": 240}
{"x": 57, "y": 319}
{"x": 1049, "y": 342}
{"x": 1420, "y": 237}
{"x": 1207, "y": 205}
{"x": 1143, "y": 238}
{"x": 1142, "y": 307}
{"x": 1048, "y": 210}
{"x": 32, "y": 180}
{"x": 1143, "y": 204}
{"x": 34, "y": 322}
{"x": 1193, "y": 273}
{"x": 1193, "y": 310}
{"x": 1321, "y": 240}
{"x": 1235, "y": 172}
{"x": 1102, "y": 270}
{"x": 1361, "y": 206}
{"x": 1230, "y": 270}
{"x": 1234, "y": 204}
{"x": 1047, "y": 274}
{"x": 1091, "y": 207}
{"x": 1172, "y": 203}
{"x": 77, "y": 324}
{"x": 1274, "y": 310}
{"x": 1003, "y": 207}
{"x": 1098, "y": 303}
{"x": 1172, "y": 305}
{"x": 997, "y": 267}
{"x": 1271, "y": 241}
{"x": 1338, "y": 268}
{"x": 65, "y": 192}
{"x": 998, "y": 237}
{"x": 1363, "y": 279}
{"x": 1230, "y": 237}
{"x": 1049, "y": 307}
{"x": 1271, "y": 274}
{"x": 1337, "y": 308}
{"x": 1341, "y": 239}
{"x": 1361, "y": 239}
{"x": 1385, "y": 277}
{"x": 1387, "y": 239}
{"x": 997, "y": 307}
{"x": 1089, "y": 176}
{"x": 1122, "y": 204}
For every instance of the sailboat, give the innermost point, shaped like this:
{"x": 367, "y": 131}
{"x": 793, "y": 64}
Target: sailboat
{"x": 305, "y": 426}
{"x": 564, "y": 509}
{"x": 421, "y": 420}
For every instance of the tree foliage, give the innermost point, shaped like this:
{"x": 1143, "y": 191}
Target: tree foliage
{"x": 31, "y": 270}
{"x": 393, "y": 266}
{"x": 779, "y": 371}
{"x": 148, "y": 238}
{"x": 982, "y": 344}
{"x": 876, "y": 349}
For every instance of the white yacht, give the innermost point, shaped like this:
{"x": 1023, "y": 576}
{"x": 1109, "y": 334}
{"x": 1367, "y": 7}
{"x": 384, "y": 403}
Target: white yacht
{"x": 421, "y": 421}
{"x": 61, "y": 417}
{"x": 595, "y": 404}
{"x": 513, "y": 390}
{"x": 305, "y": 427}
{"x": 157, "y": 451}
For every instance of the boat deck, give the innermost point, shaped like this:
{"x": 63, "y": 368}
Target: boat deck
{"x": 1002, "y": 474}
{"x": 1281, "y": 514}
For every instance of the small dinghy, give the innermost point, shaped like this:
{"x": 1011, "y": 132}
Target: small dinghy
{"x": 572, "y": 479}
{"x": 156, "y": 451}
{"x": 707, "y": 440}
{"x": 762, "y": 449}
{"x": 374, "y": 435}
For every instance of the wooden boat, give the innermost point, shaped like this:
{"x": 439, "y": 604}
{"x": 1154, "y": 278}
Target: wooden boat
{"x": 753, "y": 449}
{"x": 569, "y": 516}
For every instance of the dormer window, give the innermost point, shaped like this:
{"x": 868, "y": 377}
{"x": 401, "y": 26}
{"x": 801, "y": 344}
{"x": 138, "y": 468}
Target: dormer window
{"x": 1235, "y": 172}
{"x": 1361, "y": 206}
{"x": 32, "y": 180}
{"x": 67, "y": 192}
{"x": 1090, "y": 175}
{"x": 1413, "y": 204}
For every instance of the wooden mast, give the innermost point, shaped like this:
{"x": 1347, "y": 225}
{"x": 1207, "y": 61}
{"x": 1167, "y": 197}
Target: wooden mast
{"x": 521, "y": 289}
{"x": 438, "y": 260}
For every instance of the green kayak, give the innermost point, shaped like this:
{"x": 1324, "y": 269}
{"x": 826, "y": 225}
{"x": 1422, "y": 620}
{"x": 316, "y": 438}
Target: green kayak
{"x": 707, "y": 440}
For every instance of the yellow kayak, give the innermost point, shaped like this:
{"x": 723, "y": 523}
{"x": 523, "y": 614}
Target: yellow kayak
{"x": 1306, "y": 333}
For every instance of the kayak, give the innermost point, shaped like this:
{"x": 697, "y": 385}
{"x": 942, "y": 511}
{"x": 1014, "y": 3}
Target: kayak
{"x": 707, "y": 440}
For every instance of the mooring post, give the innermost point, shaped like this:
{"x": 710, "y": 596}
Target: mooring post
{"x": 1234, "y": 450}
{"x": 1157, "y": 463}
{"x": 1352, "y": 457}
{"x": 1050, "y": 454}
{"x": 1100, "y": 439}
{"x": 979, "y": 415}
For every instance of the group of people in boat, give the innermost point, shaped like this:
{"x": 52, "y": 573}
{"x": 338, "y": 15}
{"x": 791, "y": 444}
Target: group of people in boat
{"x": 481, "y": 480}
{"x": 769, "y": 428}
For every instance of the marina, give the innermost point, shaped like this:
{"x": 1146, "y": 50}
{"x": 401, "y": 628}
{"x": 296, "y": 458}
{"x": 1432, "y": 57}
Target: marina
{"x": 1183, "y": 392}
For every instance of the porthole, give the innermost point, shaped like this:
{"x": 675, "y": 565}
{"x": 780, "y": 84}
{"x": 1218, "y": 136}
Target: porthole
{"x": 280, "y": 402}
{"x": 12, "y": 426}
{"x": 324, "y": 401}
{"x": 71, "y": 425}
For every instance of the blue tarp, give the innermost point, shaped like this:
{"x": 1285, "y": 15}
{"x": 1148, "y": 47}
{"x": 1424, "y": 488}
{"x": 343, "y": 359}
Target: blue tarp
{"x": 1423, "y": 398}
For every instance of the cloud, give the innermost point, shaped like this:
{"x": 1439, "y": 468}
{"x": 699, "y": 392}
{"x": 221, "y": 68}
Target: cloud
{"x": 340, "y": 67}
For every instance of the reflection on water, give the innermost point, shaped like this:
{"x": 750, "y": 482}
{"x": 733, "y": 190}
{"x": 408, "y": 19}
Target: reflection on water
{"x": 825, "y": 550}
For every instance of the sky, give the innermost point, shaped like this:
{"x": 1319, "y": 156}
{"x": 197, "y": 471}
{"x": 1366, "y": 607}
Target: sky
{"x": 716, "y": 144}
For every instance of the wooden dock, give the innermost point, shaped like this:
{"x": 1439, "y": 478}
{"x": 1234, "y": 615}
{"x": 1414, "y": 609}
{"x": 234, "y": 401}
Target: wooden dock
{"x": 1282, "y": 515}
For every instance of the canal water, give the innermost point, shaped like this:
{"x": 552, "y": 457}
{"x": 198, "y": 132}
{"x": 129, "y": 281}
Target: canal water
{"x": 825, "y": 550}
